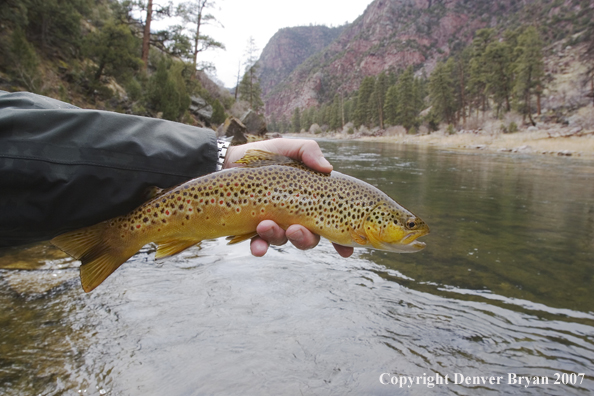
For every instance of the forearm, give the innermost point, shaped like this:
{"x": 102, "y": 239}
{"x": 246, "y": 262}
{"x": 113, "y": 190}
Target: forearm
{"x": 64, "y": 167}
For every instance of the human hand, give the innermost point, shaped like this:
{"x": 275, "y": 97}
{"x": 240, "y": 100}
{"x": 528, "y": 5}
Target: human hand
{"x": 270, "y": 233}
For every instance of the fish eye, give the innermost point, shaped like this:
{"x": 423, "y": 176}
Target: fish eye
{"x": 411, "y": 224}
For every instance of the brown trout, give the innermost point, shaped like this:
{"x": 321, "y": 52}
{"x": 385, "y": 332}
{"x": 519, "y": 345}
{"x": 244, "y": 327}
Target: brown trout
{"x": 234, "y": 201}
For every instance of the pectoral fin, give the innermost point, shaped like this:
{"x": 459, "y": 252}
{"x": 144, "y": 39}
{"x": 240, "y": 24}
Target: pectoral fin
{"x": 240, "y": 238}
{"x": 360, "y": 239}
{"x": 171, "y": 247}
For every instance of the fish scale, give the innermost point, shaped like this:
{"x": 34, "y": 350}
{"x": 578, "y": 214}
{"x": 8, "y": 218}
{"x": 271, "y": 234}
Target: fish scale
{"x": 233, "y": 202}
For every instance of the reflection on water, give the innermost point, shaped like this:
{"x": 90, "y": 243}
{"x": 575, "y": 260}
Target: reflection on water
{"x": 504, "y": 287}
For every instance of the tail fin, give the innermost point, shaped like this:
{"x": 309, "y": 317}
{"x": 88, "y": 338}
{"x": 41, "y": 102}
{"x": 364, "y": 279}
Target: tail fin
{"x": 91, "y": 246}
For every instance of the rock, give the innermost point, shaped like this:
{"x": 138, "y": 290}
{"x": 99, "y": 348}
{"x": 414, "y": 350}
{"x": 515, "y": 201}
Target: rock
{"x": 532, "y": 129}
{"x": 565, "y": 153}
{"x": 200, "y": 108}
{"x": 231, "y": 127}
{"x": 523, "y": 149}
{"x": 255, "y": 123}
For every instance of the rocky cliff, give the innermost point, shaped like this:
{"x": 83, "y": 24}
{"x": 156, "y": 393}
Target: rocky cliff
{"x": 289, "y": 48}
{"x": 389, "y": 36}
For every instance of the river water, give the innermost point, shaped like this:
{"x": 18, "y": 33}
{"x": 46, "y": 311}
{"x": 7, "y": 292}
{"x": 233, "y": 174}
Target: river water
{"x": 504, "y": 289}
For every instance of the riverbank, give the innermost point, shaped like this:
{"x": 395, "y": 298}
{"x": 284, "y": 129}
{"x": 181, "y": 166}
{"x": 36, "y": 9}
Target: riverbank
{"x": 557, "y": 141}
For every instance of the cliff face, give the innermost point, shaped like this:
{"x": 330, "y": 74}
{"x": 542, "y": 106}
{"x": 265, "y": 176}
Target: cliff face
{"x": 389, "y": 36}
{"x": 289, "y": 48}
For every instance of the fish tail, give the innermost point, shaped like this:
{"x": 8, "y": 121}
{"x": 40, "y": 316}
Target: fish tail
{"x": 98, "y": 255}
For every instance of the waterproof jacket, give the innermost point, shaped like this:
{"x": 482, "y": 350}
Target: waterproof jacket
{"x": 62, "y": 167}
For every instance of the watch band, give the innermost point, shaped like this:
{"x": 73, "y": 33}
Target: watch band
{"x": 222, "y": 147}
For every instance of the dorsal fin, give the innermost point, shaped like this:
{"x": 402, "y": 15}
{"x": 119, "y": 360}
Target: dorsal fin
{"x": 257, "y": 158}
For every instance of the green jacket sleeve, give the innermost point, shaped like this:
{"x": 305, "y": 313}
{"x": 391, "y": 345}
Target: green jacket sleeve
{"x": 62, "y": 167}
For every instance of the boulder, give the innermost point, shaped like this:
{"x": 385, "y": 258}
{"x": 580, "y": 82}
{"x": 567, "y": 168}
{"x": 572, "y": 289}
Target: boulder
{"x": 200, "y": 108}
{"x": 255, "y": 123}
{"x": 231, "y": 127}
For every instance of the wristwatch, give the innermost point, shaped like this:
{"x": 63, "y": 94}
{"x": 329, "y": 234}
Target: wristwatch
{"x": 222, "y": 147}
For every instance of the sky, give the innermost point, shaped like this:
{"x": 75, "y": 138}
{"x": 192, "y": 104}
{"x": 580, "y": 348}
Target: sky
{"x": 261, "y": 19}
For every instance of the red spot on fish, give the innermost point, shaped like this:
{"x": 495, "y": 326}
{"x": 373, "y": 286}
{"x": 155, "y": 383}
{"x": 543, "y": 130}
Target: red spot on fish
{"x": 190, "y": 209}
{"x": 236, "y": 184}
{"x": 220, "y": 202}
{"x": 268, "y": 192}
{"x": 212, "y": 200}
{"x": 297, "y": 195}
{"x": 188, "y": 201}
{"x": 138, "y": 226}
{"x": 179, "y": 198}
{"x": 228, "y": 194}
{"x": 201, "y": 200}
{"x": 148, "y": 211}
{"x": 221, "y": 185}
{"x": 251, "y": 195}
{"x": 237, "y": 210}
{"x": 167, "y": 213}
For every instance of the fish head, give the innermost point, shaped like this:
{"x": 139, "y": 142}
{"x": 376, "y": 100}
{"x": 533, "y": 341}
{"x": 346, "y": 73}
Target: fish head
{"x": 395, "y": 229}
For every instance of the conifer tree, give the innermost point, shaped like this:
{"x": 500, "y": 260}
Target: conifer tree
{"x": 377, "y": 99}
{"x": 406, "y": 112}
{"x": 391, "y": 105}
{"x": 194, "y": 14}
{"x": 218, "y": 113}
{"x": 296, "y": 121}
{"x": 442, "y": 93}
{"x": 362, "y": 110}
{"x": 478, "y": 73}
{"x": 529, "y": 69}
{"x": 498, "y": 69}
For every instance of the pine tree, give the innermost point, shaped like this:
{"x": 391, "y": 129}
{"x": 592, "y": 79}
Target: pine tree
{"x": 115, "y": 50}
{"x": 478, "y": 73}
{"x": 362, "y": 111}
{"x": 529, "y": 69}
{"x": 442, "y": 93}
{"x": 249, "y": 88}
{"x": 194, "y": 14}
{"x": 406, "y": 113}
{"x": 218, "y": 113}
{"x": 296, "y": 121}
{"x": 391, "y": 106}
{"x": 499, "y": 73}
{"x": 376, "y": 101}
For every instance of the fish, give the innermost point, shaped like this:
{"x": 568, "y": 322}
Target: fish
{"x": 232, "y": 202}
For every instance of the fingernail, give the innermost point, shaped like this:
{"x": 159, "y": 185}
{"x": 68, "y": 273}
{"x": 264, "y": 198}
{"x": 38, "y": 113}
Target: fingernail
{"x": 269, "y": 233}
{"x": 323, "y": 162}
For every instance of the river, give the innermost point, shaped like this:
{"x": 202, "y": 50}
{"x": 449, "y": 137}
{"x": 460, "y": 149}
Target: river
{"x": 500, "y": 302}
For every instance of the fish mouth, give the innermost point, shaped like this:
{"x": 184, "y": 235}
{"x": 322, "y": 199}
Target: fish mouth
{"x": 408, "y": 244}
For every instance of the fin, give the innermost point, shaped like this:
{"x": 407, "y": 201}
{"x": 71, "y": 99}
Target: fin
{"x": 98, "y": 258}
{"x": 240, "y": 238}
{"x": 256, "y": 158}
{"x": 171, "y": 247}
{"x": 152, "y": 192}
{"x": 360, "y": 239}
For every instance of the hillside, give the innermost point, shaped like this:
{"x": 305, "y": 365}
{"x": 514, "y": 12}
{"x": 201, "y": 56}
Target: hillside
{"x": 289, "y": 48}
{"x": 394, "y": 34}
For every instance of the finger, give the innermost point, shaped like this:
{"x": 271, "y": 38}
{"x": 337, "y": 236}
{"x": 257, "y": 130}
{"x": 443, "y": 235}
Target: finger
{"x": 258, "y": 246}
{"x": 344, "y": 251}
{"x": 269, "y": 231}
{"x": 307, "y": 151}
{"x": 301, "y": 237}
